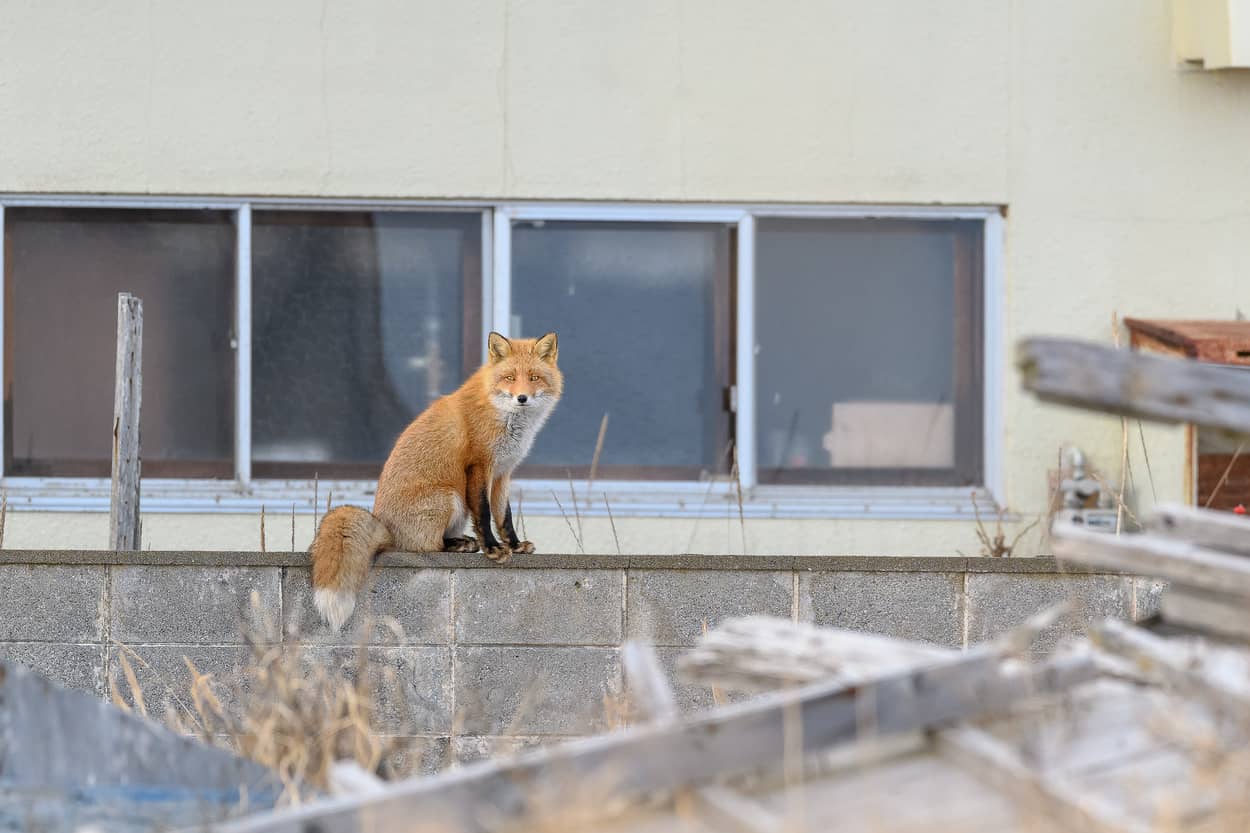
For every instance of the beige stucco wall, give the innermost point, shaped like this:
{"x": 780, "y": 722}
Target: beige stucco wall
{"x": 1127, "y": 182}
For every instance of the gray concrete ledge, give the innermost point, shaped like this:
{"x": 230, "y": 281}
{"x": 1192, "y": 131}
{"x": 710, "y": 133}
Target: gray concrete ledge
{"x": 471, "y": 659}
{"x": 558, "y": 561}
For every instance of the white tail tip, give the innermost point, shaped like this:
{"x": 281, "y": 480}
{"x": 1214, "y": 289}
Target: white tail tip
{"x": 335, "y": 606}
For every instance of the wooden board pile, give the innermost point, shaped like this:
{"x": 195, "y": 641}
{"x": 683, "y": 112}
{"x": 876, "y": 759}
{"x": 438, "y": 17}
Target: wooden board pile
{"x": 1131, "y": 727}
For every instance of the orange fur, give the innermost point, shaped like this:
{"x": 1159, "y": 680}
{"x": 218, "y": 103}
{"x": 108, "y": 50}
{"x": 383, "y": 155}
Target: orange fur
{"x": 452, "y": 463}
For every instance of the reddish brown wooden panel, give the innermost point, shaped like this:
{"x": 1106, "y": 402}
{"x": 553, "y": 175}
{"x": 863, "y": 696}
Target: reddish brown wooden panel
{"x": 1226, "y": 342}
{"x": 1236, "y": 488}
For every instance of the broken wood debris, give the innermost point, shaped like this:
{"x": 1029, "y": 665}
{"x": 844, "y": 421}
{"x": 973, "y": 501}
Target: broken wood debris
{"x": 653, "y": 698}
{"x": 623, "y": 767}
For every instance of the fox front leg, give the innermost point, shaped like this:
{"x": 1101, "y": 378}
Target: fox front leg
{"x": 517, "y": 545}
{"x": 501, "y": 508}
{"x": 478, "y": 500}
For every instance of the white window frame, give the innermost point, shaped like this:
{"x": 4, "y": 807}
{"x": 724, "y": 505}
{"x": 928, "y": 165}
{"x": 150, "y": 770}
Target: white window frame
{"x": 684, "y": 499}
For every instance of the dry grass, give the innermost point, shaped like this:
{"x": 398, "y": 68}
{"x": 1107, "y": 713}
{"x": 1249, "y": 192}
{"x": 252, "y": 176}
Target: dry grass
{"x": 293, "y": 712}
{"x": 996, "y": 545}
{"x": 616, "y": 539}
{"x": 577, "y": 539}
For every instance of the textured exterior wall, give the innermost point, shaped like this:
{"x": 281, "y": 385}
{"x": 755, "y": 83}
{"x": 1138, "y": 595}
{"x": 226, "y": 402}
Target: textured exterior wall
{"x": 1126, "y": 181}
{"x": 491, "y": 659}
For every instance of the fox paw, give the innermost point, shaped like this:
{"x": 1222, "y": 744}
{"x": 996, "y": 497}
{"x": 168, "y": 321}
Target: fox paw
{"x": 498, "y": 553}
{"x": 523, "y": 547}
{"x": 466, "y": 544}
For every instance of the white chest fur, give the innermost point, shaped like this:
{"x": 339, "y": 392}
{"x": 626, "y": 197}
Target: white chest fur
{"x": 519, "y": 430}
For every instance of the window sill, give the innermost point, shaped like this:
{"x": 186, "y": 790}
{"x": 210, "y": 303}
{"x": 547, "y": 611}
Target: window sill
{"x": 552, "y": 498}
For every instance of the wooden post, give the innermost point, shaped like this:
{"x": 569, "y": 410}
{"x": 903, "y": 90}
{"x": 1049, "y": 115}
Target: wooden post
{"x": 127, "y": 399}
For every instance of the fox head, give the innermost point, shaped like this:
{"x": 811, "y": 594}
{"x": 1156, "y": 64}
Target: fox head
{"x": 522, "y": 373}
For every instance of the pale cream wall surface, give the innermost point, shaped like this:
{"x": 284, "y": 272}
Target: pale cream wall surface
{"x": 1126, "y": 181}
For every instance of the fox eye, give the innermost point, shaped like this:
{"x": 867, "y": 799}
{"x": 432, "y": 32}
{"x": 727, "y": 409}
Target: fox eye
{"x": 534, "y": 379}
{"x": 510, "y": 378}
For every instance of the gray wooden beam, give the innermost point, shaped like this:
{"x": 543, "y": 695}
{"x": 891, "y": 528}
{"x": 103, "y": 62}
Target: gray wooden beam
{"x": 1215, "y": 613}
{"x": 1206, "y": 528}
{"x": 1102, "y": 378}
{"x": 1218, "y": 674}
{"x": 998, "y": 764}
{"x": 1180, "y": 562}
{"x": 124, "y": 531}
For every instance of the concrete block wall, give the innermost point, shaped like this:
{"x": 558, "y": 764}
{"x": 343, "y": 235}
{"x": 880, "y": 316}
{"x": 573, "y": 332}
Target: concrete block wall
{"x": 490, "y": 659}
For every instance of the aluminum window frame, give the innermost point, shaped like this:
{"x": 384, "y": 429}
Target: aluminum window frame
{"x": 641, "y": 498}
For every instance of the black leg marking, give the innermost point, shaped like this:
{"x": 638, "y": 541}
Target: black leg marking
{"x": 490, "y": 545}
{"x": 508, "y": 529}
{"x": 514, "y": 541}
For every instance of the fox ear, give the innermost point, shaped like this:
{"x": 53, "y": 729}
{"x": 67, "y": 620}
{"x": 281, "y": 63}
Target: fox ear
{"x": 546, "y": 348}
{"x": 498, "y": 347}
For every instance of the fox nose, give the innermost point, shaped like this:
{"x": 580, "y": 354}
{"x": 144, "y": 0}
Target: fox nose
{"x": 522, "y": 398}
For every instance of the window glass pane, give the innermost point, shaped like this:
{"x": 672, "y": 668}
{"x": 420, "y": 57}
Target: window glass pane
{"x": 65, "y": 267}
{"x": 868, "y": 362}
{"x": 642, "y": 314}
{"x": 358, "y": 323}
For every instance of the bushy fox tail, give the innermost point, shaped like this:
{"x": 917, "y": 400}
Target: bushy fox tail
{"x": 346, "y": 542}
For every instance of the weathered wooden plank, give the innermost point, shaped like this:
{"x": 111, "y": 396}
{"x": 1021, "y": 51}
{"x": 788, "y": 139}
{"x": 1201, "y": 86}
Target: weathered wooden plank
{"x": 1174, "y": 789}
{"x": 996, "y": 763}
{"x": 1218, "y": 674}
{"x": 919, "y": 793}
{"x": 124, "y": 533}
{"x": 653, "y": 698}
{"x": 1212, "y": 612}
{"x": 1093, "y": 727}
{"x": 725, "y": 809}
{"x": 1206, "y": 528}
{"x": 646, "y": 684}
{"x": 1180, "y": 562}
{"x": 1224, "y": 342}
{"x": 641, "y": 761}
{"x": 757, "y": 650}
{"x": 762, "y": 653}
{"x": 1102, "y": 378}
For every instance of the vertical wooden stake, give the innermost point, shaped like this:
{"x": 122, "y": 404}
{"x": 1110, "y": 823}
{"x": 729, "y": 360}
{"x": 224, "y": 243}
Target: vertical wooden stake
{"x": 124, "y": 531}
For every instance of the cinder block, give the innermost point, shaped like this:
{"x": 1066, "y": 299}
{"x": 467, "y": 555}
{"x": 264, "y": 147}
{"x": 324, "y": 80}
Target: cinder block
{"x": 919, "y": 606}
{"x": 1148, "y": 592}
{"x": 999, "y": 602}
{"x": 670, "y": 607}
{"x": 412, "y": 757}
{"x": 193, "y": 604}
{"x": 51, "y": 604}
{"x": 165, "y": 681}
{"x": 568, "y": 607}
{"x": 473, "y": 748}
{"x": 403, "y": 606}
{"x": 411, "y": 685}
{"x": 72, "y": 666}
{"x": 534, "y": 691}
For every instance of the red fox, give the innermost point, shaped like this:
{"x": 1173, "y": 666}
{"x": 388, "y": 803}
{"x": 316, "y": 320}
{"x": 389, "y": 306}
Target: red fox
{"x": 452, "y": 464}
